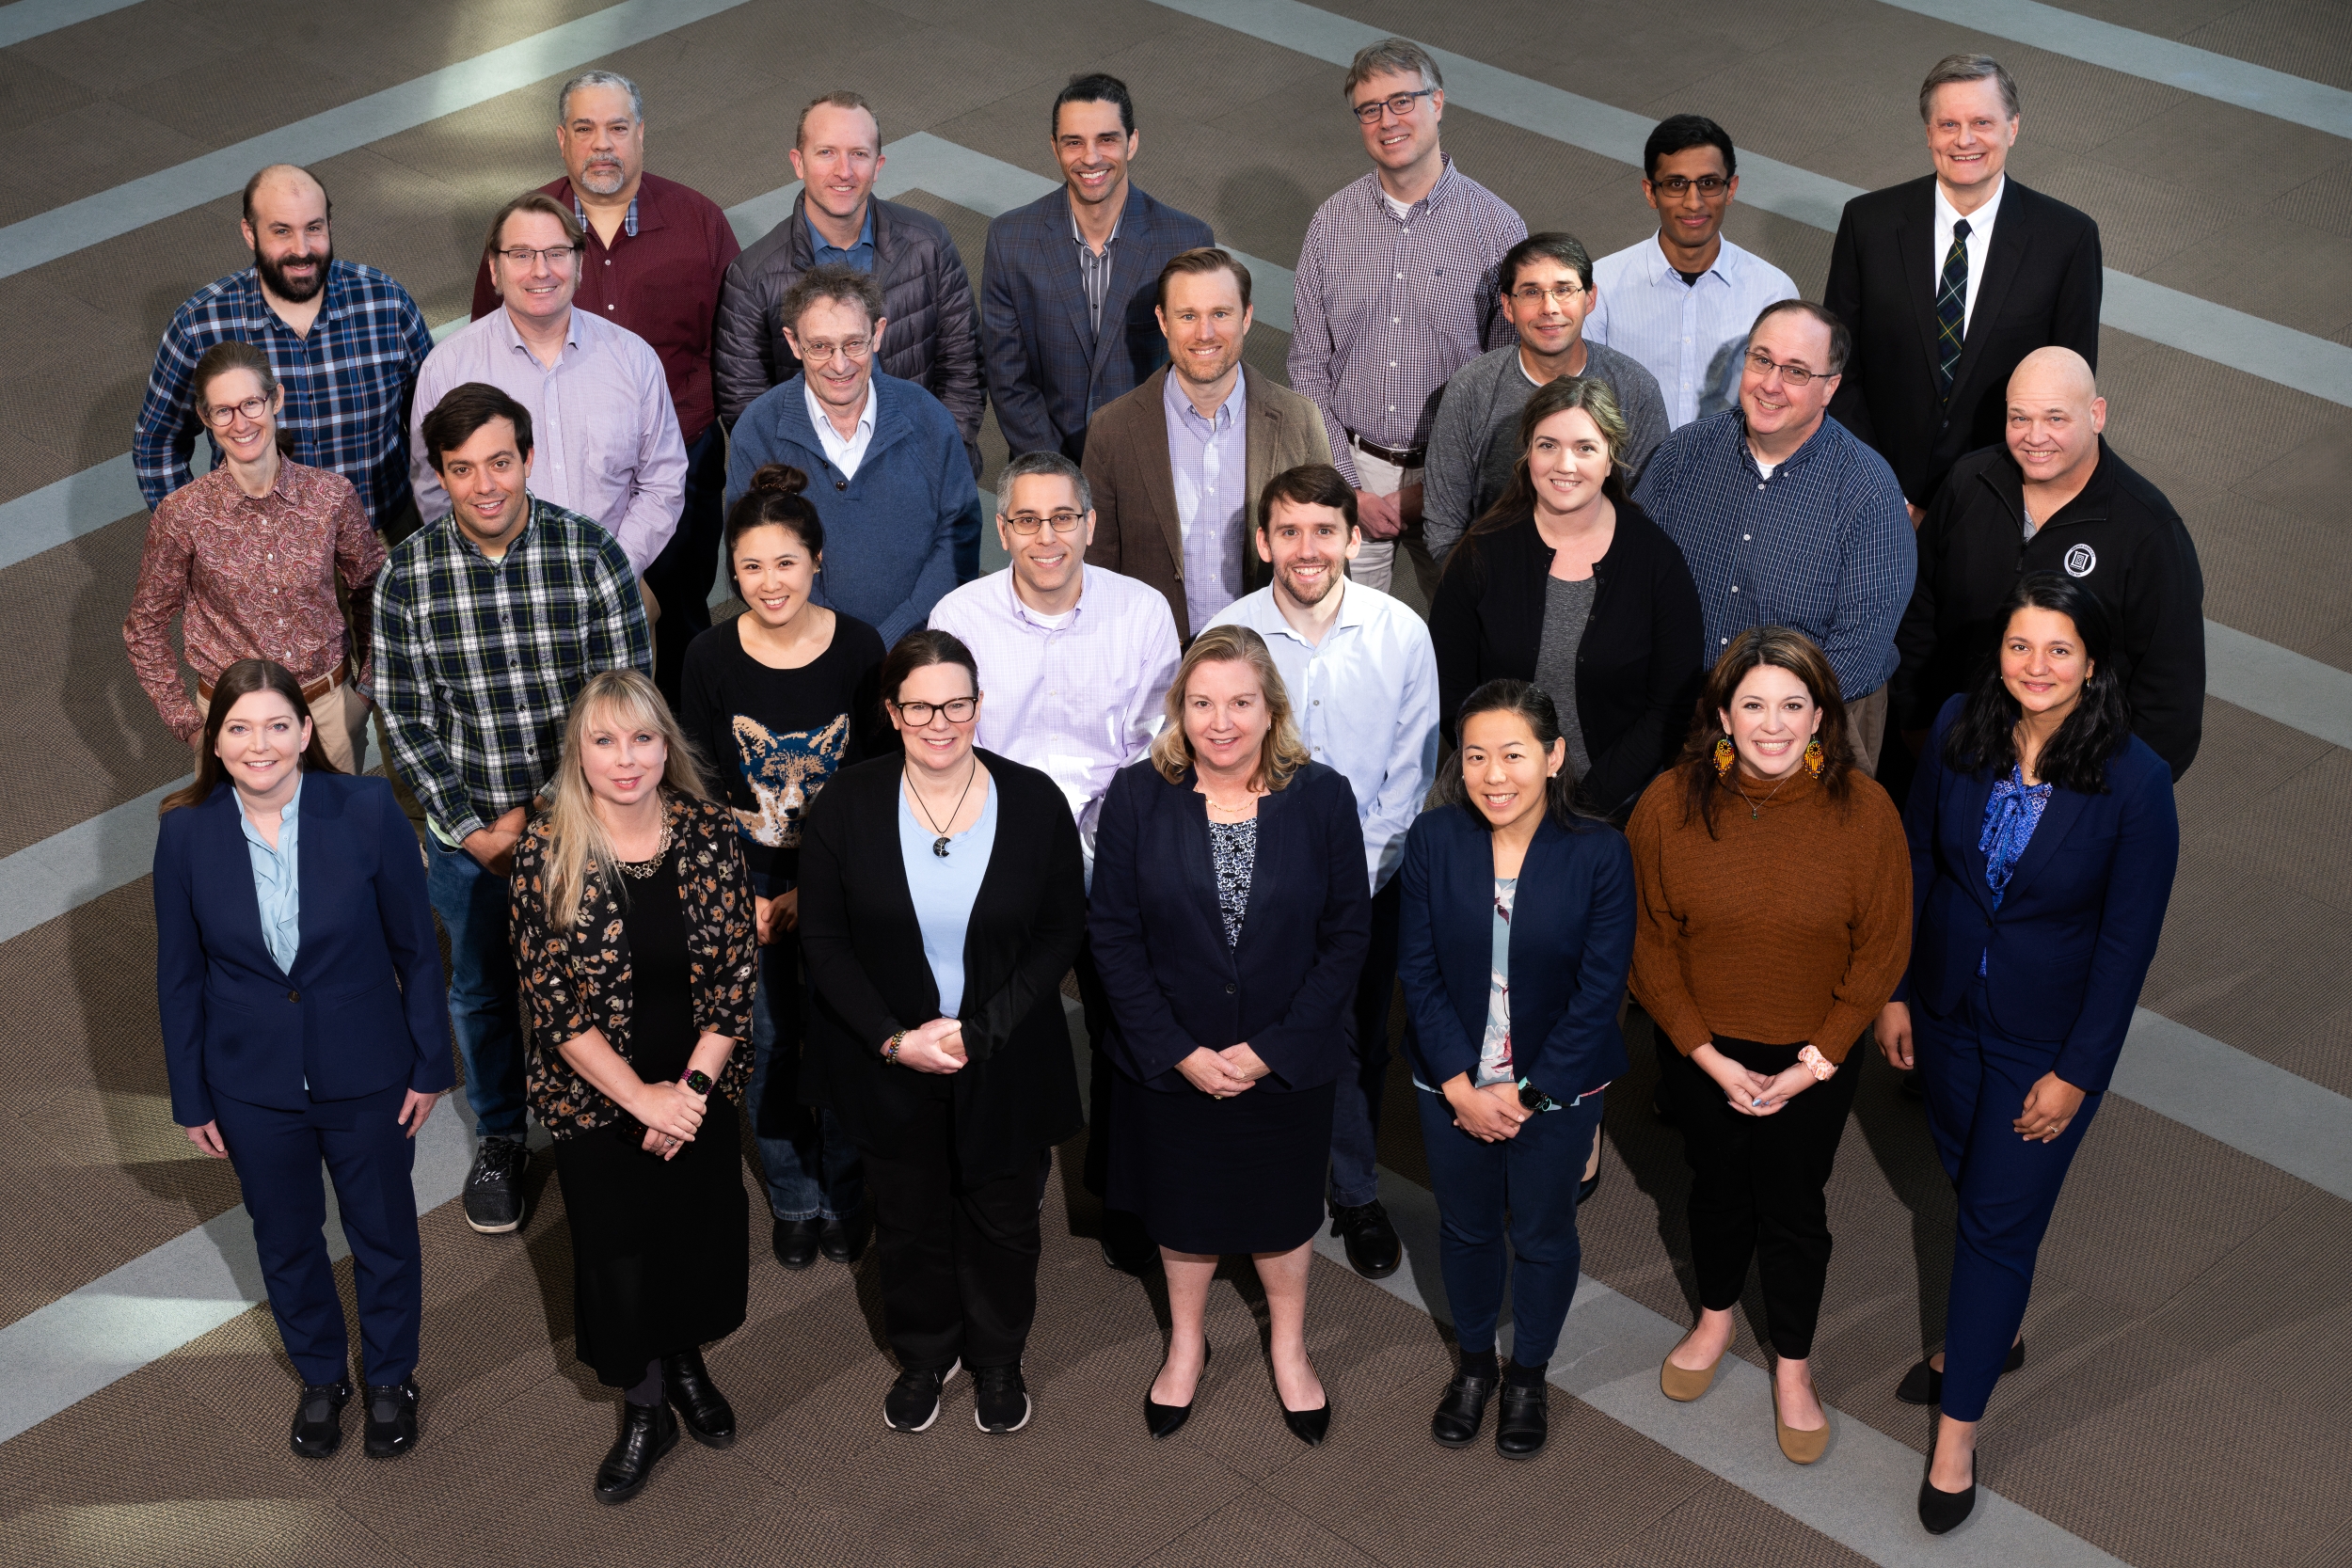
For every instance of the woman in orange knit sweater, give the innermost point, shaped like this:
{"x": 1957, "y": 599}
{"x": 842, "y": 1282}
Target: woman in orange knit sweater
{"x": 1774, "y": 923}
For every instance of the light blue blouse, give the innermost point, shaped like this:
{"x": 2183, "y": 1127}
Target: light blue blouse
{"x": 277, "y": 879}
{"x": 943, "y": 888}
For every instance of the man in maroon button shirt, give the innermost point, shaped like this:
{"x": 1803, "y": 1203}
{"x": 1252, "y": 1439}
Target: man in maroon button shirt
{"x": 657, "y": 254}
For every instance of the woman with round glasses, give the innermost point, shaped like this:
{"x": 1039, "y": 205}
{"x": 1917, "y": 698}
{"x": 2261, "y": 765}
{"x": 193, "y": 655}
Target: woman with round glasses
{"x": 249, "y": 557}
{"x": 943, "y": 898}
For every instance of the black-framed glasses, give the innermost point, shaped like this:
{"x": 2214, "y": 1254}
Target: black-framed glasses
{"x": 558, "y": 256}
{"x": 1397, "y": 103}
{"x": 958, "y": 710}
{"x": 1764, "y": 364}
{"x": 218, "y": 415}
{"x": 1026, "y": 523}
{"x": 1536, "y": 293}
{"x": 1708, "y": 185}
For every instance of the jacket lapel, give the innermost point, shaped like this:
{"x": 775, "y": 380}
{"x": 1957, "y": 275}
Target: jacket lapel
{"x": 2011, "y": 241}
{"x": 232, "y": 871}
{"x": 1061, "y": 267}
{"x": 1915, "y": 232}
{"x": 1127, "y": 258}
{"x": 1192, "y": 828}
{"x": 1262, "y": 443}
{"x": 2058, "y": 820}
{"x": 1970, "y": 791}
{"x": 1159, "y": 476}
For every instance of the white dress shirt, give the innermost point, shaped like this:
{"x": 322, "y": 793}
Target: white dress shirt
{"x": 844, "y": 455}
{"x": 1365, "y": 701}
{"x": 1979, "y": 243}
{"x": 1689, "y": 336}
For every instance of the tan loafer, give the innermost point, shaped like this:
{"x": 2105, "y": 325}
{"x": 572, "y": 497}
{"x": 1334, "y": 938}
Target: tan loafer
{"x": 1800, "y": 1448}
{"x": 1681, "y": 1385}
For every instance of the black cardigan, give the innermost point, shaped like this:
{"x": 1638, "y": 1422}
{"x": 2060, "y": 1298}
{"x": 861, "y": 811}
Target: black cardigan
{"x": 868, "y": 978}
{"x": 1638, "y": 668}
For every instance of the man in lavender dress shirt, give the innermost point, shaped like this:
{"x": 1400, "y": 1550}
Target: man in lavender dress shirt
{"x": 609, "y": 446}
{"x": 1075, "y": 661}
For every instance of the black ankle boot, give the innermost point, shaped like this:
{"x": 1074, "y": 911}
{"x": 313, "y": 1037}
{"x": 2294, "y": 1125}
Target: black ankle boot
{"x": 647, "y": 1433}
{"x": 701, "y": 1409}
{"x": 1523, "y": 1425}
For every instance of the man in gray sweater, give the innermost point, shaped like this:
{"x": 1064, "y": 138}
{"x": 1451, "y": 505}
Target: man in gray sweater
{"x": 1546, "y": 284}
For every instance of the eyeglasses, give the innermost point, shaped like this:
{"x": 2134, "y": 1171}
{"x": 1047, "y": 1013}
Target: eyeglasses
{"x": 853, "y": 349}
{"x": 1026, "y": 523}
{"x": 1795, "y": 375}
{"x": 252, "y": 408}
{"x": 959, "y": 711}
{"x": 1709, "y": 186}
{"x": 1399, "y": 105}
{"x": 558, "y": 256}
{"x": 1536, "y": 293}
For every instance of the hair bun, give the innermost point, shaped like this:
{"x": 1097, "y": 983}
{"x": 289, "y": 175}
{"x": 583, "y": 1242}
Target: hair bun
{"x": 778, "y": 479}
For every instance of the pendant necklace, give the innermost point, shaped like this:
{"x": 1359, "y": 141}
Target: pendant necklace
{"x": 1755, "y": 808}
{"x": 939, "y": 845}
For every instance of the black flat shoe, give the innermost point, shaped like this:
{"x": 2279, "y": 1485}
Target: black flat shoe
{"x": 392, "y": 1419}
{"x": 1586, "y": 1188}
{"x": 647, "y": 1433}
{"x": 843, "y": 1241}
{"x": 702, "y": 1410}
{"x": 796, "y": 1243}
{"x": 1372, "y": 1248}
{"x": 1462, "y": 1410}
{"x": 318, "y": 1423}
{"x": 1924, "y": 1384}
{"x": 1913, "y": 1086}
{"x": 1524, "y": 1423}
{"x": 1942, "y": 1511}
{"x": 1310, "y": 1426}
{"x": 1163, "y": 1420}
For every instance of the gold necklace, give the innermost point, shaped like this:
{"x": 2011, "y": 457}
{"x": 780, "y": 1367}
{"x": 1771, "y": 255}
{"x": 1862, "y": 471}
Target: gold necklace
{"x": 645, "y": 868}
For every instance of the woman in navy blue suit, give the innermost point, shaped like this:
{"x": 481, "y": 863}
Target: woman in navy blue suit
{"x": 1229, "y": 919}
{"x": 304, "y": 1018}
{"x": 2043, "y": 845}
{"x": 1517, "y": 932}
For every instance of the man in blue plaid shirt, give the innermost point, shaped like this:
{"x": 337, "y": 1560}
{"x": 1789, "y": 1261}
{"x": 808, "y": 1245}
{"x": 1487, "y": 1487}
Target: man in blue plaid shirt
{"x": 345, "y": 340}
{"x": 488, "y": 622}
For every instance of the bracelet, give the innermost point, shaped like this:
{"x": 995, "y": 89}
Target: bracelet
{"x": 1821, "y": 1066}
{"x": 890, "y": 1047}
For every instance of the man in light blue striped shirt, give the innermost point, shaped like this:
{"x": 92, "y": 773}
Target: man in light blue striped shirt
{"x": 1682, "y": 302}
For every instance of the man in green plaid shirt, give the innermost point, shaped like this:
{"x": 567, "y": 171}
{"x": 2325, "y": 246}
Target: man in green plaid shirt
{"x": 488, "y": 621}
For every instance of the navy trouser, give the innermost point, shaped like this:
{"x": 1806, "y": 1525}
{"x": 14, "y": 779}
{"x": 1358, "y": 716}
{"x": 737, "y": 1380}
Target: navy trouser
{"x": 369, "y": 1155}
{"x": 1976, "y": 1079}
{"x": 484, "y": 1005}
{"x": 1527, "y": 1186}
{"x": 1356, "y": 1108}
{"x": 810, "y": 1166}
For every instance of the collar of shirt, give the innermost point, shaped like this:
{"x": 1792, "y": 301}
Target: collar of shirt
{"x": 515, "y": 546}
{"x": 1076, "y": 233}
{"x": 1377, "y": 193}
{"x": 1657, "y": 269}
{"x": 286, "y": 816}
{"x": 1022, "y": 613}
{"x": 511, "y": 336}
{"x": 628, "y": 223}
{"x": 1261, "y": 615}
{"x": 825, "y": 247}
{"x": 1812, "y": 444}
{"x": 1178, "y": 405}
{"x": 829, "y": 437}
{"x": 1980, "y": 241}
{"x": 331, "y": 300}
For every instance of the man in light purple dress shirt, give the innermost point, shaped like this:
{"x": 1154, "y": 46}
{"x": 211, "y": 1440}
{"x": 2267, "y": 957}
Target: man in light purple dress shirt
{"x": 1075, "y": 663}
{"x": 1207, "y": 454}
{"x": 607, "y": 434}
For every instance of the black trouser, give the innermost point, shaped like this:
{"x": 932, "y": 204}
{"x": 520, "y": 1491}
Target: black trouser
{"x": 680, "y": 577}
{"x": 1756, "y": 1185}
{"x": 958, "y": 1259}
{"x": 1095, "y": 1003}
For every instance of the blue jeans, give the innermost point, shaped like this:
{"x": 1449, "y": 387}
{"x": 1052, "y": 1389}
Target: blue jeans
{"x": 484, "y": 1007}
{"x": 1526, "y": 1183}
{"x": 1356, "y": 1109}
{"x": 812, "y": 1167}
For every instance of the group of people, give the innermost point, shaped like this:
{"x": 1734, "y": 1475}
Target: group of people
{"x": 1692, "y": 544}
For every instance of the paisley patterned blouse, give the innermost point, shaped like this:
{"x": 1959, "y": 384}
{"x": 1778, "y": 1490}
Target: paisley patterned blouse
{"x": 578, "y": 979}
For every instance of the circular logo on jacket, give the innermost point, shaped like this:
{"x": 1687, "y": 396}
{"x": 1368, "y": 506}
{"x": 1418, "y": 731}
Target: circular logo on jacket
{"x": 2081, "y": 562}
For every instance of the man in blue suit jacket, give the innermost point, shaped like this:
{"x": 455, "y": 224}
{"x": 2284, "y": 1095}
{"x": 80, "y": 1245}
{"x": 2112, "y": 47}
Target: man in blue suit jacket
{"x": 1066, "y": 321}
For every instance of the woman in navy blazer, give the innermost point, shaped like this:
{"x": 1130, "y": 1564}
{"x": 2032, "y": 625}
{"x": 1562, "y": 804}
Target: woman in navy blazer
{"x": 299, "y": 984}
{"x": 2042, "y": 846}
{"x": 1517, "y": 929}
{"x": 1230, "y": 918}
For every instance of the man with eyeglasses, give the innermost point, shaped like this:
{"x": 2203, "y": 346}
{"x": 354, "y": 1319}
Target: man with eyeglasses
{"x": 1548, "y": 297}
{"x": 1787, "y": 518}
{"x": 655, "y": 253}
{"x": 345, "y": 340}
{"x": 1397, "y": 289}
{"x": 609, "y": 447}
{"x": 885, "y": 463}
{"x": 1681, "y": 301}
{"x": 1077, "y": 661}
{"x": 1177, "y": 464}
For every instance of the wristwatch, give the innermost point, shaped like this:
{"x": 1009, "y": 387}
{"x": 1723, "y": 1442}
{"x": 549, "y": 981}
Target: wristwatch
{"x": 699, "y": 1081}
{"x": 1534, "y": 1099}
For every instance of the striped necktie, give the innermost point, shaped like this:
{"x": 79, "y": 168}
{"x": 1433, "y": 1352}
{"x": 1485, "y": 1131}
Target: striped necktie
{"x": 1951, "y": 310}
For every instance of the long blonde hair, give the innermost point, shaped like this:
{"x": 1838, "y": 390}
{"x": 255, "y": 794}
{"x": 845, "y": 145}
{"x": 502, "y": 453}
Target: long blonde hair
{"x": 1281, "y": 754}
{"x": 577, "y": 839}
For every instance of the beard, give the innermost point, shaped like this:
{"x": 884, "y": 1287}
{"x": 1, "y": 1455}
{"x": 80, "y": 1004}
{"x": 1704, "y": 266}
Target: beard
{"x": 291, "y": 290}
{"x": 1334, "y": 572}
{"x": 603, "y": 179}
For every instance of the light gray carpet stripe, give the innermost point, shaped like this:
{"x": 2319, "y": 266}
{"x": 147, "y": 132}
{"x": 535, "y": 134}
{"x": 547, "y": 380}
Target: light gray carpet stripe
{"x": 109, "y": 213}
{"x": 2157, "y": 59}
{"x": 2199, "y": 326}
{"x": 2252, "y": 1105}
{"x": 29, "y": 19}
{"x": 2280, "y": 684}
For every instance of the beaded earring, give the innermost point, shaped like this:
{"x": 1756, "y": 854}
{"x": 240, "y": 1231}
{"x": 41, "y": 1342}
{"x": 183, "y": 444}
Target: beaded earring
{"x": 1813, "y": 760}
{"x": 1724, "y": 756}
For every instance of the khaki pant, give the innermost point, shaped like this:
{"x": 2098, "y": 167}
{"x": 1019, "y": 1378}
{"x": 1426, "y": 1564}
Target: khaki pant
{"x": 1865, "y": 727}
{"x": 1375, "y": 565}
{"x": 339, "y": 717}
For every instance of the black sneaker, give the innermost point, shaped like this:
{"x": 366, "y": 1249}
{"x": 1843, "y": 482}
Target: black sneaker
{"x": 1000, "y": 1401}
{"x": 913, "y": 1403}
{"x": 392, "y": 1419}
{"x": 1373, "y": 1249}
{"x": 318, "y": 1423}
{"x": 494, "y": 1188}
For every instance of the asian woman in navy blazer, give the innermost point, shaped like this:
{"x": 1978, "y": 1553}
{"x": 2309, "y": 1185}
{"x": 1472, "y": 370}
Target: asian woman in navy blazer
{"x": 2044, "y": 841}
{"x": 304, "y": 1018}
{"x": 1517, "y": 929}
{"x": 1230, "y": 918}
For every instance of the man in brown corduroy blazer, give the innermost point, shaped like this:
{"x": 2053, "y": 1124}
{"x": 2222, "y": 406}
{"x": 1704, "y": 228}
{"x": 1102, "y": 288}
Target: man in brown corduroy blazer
{"x": 1195, "y": 412}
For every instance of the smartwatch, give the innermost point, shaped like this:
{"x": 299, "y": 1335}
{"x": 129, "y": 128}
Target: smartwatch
{"x": 697, "y": 1080}
{"x": 1534, "y": 1099}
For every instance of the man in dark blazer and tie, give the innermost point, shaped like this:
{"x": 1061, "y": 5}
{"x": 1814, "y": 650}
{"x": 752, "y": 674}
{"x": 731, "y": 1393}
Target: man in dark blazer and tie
{"x": 1066, "y": 321}
{"x": 1947, "y": 282}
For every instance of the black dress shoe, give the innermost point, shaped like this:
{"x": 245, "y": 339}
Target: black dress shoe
{"x": 1310, "y": 1426}
{"x": 796, "y": 1243}
{"x": 1913, "y": 1086}
{"x": 844, "y": 1240}
{"x": 392, "y": 1419}
{"x": 647, "y": 1433}
{"x": 1924, "y": 1384}
{"x": 701, "y": 1409}
{"x": 1942, "y": 1511}
{"x": 1162, "y": 1420}
{"x": 1373, "y": 1249}
{"x": 318, "y": 1423}
{"x": 1462, "y": 1410}
{"x": 1523, "y": 1424}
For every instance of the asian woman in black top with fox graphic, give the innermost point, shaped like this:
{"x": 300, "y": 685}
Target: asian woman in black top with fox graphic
{"x": 779, "y": 700}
